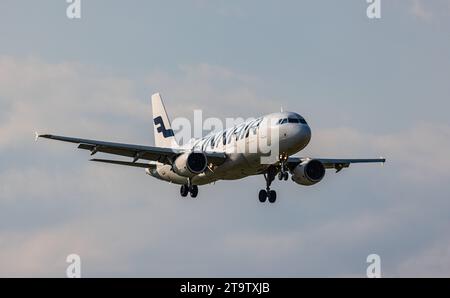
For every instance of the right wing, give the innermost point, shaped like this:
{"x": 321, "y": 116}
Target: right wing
{"x": 330, "y": 163}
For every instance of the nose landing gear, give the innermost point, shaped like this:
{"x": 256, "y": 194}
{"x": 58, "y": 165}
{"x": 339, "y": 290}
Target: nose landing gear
{"x": 283, "y": 176}
{"x": 284, "y": 173}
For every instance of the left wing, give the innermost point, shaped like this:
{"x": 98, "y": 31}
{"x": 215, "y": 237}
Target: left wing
{"x": 329, "y": 163}
{"x": 137, "y": 152}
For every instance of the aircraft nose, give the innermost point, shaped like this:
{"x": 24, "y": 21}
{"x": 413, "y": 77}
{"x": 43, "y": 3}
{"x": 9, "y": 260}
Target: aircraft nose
{"x": 307, "y": 132}
{"x": 304, "y": 134}
{"x": 295, "y": 137}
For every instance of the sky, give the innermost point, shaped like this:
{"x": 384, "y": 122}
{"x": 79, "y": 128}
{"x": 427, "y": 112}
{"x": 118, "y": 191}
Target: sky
{"x": 368, "y": 88}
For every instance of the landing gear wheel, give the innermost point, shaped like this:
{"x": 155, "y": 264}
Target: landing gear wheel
{"x": 272, "y": 196}
{"x": 262, "y": 195}
{"x": 286, "y": 176}
{"x": 194, "y": 191}
{"x": 280, "y": 176}
{"x": 184, "y": 190}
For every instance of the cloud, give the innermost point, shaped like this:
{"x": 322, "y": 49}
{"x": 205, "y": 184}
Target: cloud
{"x": 47, "y": 219}
{"x": 433, "y": 261}
{"x": 61, "y": 96}
{"x": 420, "y": 11}
{"x": 78, "y": 99}
{"x": 418, "y": 154}
{"x": 234, "y": 94}
{"x": 430, "y": 10}
{"x": 53, "y": 202}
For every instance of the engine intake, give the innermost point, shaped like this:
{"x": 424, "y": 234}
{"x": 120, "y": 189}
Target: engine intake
{"x": 308, "y": 172}
{"x": 190, "y": 164}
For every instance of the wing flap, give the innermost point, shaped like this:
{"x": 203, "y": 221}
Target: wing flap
{"x": 125, "y": 163}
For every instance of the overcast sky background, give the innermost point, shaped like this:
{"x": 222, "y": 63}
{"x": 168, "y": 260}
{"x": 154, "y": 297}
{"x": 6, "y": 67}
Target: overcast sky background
{"x": 367, "y": 88}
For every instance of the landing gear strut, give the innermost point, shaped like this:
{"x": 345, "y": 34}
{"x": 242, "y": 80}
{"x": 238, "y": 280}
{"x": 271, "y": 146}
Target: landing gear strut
{"x": 283, "y": 174}
{"x": 267, "y": 194}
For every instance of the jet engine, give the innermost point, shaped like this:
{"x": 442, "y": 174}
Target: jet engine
{"x": 309, "y": 172}
{"x": 190, "y": 164}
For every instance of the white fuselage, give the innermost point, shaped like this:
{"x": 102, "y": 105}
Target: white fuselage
{"x": 243, "y": 146}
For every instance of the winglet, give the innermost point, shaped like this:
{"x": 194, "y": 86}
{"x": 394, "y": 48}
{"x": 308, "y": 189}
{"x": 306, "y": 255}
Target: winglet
{"x": 36, "y": 136}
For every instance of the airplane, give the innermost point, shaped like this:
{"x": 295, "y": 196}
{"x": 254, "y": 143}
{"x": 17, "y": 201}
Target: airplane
{"x": 209, "y": 159}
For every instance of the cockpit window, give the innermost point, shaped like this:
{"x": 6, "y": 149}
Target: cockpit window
{"x": 283, "y": 121}
{"x": 292, "y": 120}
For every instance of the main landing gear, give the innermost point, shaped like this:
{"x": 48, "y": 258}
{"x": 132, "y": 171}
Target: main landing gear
{"x": 267, "y": 194}
{"x": 283, "y": 174}
{"x": 186, "y": 189}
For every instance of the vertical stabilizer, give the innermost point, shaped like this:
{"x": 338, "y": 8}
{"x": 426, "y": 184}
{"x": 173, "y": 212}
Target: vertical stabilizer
{"x": 164, "y": 136}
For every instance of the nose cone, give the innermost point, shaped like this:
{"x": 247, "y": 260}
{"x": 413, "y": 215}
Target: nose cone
{"x": 305, "y": 134}
{"x": 302, "y": 136}
{"x": 294, "y": 138}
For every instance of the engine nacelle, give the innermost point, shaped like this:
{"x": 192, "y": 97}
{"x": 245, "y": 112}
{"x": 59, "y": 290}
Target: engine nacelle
{"x": 308, "y": 172}
{"x": 190, "y": 164}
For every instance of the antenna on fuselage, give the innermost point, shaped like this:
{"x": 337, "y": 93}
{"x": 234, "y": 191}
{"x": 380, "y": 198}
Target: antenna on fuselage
{"x": 281, "y": 109}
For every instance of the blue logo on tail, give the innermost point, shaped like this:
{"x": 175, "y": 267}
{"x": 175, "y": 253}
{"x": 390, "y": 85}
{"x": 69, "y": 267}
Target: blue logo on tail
{"x": 162, "y": 128}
